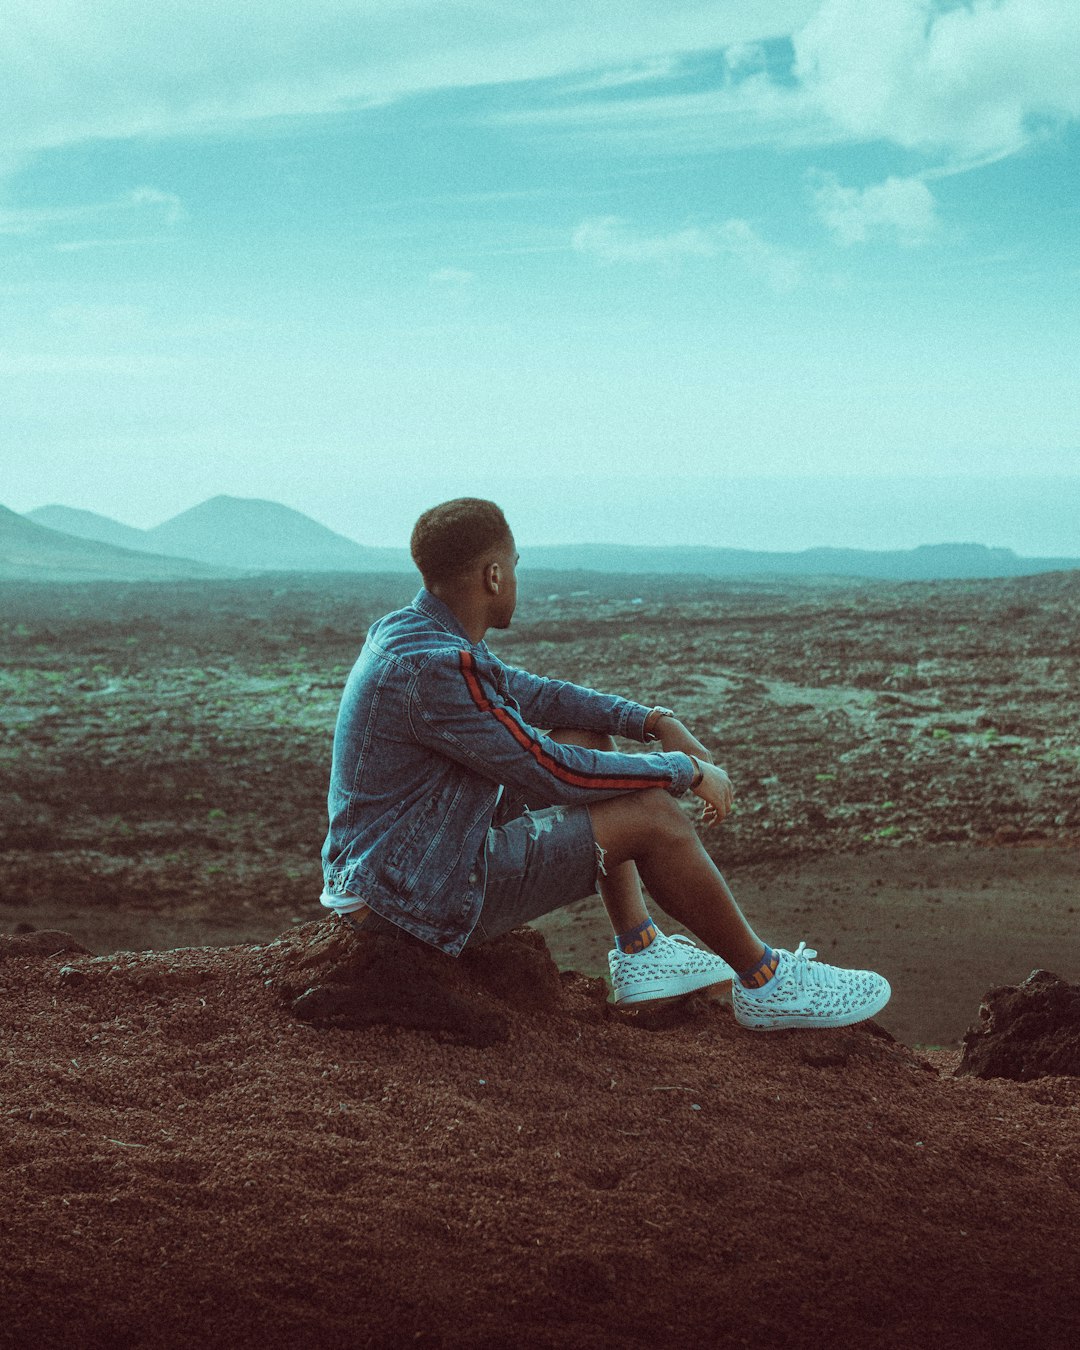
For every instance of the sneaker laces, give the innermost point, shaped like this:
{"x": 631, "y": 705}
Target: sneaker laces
{"x": 660, "y": 937}
{"x": 805, "y": 971}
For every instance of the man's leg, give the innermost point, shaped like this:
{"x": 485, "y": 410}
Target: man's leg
{"x": 644, "y": 836}
{"x": 620, "y": 885}
{"x": 648, "y": 829}
{"x": 774, "y": 989}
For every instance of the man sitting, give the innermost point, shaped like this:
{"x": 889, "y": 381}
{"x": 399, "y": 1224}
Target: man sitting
{"x": 454, "y": 819}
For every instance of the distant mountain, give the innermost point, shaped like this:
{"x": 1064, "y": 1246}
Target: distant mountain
{"x": 89, "y": 525}
{"x": 249, "y": 532}
{"x": 243, "y": 533}
{"x": 929, "y": 562}
{"x": 31, "y": 552}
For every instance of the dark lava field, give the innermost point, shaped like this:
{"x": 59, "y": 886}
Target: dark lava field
{"x": 164, "y": 748}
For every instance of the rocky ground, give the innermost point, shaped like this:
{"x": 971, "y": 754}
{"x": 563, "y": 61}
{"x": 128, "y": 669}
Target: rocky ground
{"x": 164, "y": 752}
{"x": 195, "y": 1150}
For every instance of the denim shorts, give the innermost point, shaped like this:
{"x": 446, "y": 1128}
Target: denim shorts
{"x": 537, "y": 861}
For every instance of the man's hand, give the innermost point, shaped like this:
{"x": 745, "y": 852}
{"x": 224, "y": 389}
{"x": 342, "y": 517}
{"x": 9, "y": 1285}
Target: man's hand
{"x": 715, "y": 791}
{"x": 672, "y": 735}
{"x": 715, "y": 788}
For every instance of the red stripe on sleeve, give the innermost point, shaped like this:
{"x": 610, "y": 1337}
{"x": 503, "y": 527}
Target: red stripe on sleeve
{"x": 577, "y": 778}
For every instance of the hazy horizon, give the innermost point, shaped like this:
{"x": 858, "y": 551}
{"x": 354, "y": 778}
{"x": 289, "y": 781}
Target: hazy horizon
{"x": 366, "y": 257}
{"x": 1033, "y": 516}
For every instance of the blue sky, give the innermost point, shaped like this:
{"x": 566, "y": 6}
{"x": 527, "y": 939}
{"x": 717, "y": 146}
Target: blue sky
{"x": 758, "y": 268}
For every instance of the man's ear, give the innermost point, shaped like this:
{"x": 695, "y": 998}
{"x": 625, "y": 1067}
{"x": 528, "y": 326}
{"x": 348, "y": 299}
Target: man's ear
{"x": 492, "y": 577}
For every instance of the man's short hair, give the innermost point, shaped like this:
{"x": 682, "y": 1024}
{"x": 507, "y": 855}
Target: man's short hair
{"x": 448, "y": 537}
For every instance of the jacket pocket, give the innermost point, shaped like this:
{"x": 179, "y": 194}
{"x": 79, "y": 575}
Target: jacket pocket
{"x": 416, "y": 855}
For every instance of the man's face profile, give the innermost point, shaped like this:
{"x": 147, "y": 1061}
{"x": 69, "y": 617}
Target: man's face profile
{"x": 507, "y": 559}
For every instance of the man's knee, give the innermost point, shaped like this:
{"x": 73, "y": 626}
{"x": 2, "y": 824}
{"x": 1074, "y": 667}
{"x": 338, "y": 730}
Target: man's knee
{"x": 654, "y": 814}
{"x": 662, "y": 814}
{"x": 589, "y": 740}
{"x": 637, "y": 821}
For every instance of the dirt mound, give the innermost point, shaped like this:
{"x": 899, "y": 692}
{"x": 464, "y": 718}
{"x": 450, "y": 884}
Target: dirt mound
{"x": 333, "y": 978}
{"x": 186, "y": 1161}
{"x": 41, "y": 942}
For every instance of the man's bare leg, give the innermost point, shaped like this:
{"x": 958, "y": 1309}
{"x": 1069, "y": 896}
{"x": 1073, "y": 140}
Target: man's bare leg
{"x": 620, "y": 888}
{"x": 648, "y": 829}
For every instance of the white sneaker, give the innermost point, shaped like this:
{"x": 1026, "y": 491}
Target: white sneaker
{"x": 668, "y": 966}
{"x": 808, "y": 993}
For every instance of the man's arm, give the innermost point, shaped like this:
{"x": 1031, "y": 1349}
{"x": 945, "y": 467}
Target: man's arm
{"x": 663, "y": 726}
{"x": 560, "y": 704}
{"x": 557, "y": 703}
{"x": 712, "y": 785}
{"x": 455, "y": 709}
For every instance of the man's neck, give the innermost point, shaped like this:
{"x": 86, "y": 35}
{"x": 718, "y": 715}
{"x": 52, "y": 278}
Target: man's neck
{"x": 470, "y": 613}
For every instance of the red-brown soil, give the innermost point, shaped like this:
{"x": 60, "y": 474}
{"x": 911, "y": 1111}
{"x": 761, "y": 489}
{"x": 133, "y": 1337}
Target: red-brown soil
{"x": 944, "y": 923}
{"x": 185, "y": 1163}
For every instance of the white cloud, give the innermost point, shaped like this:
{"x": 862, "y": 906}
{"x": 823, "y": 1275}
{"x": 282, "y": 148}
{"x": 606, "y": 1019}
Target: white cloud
{"x": 72, "y": 72}
{"x": 171, "y": 206}
{"x": 145, "y": 206}
{"x": 964, "y": 83}
{"x": 85, "y": 245}
{"x": 610, "y": 239}
{"x": 452, "y": 278}
{"x": 780, "y": 268}
{"x": 624, "y": 77}
{"x": 970, "y": 80}
{"x": 754, "y": 111}
{"x": 743, "y": 58}
{"x": 899, "y": 208}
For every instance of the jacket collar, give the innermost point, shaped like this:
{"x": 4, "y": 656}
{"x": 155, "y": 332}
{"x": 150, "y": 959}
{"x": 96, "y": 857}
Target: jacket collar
{"x": 443, "y": 615}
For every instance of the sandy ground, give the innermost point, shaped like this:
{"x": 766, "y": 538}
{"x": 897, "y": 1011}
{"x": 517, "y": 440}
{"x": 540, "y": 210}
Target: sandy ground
{"x": 943, "y": 923}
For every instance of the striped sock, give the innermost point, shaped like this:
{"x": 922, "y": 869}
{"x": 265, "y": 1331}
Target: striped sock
{"x": 759, "y": 975}
{"x": 637, "y": 939}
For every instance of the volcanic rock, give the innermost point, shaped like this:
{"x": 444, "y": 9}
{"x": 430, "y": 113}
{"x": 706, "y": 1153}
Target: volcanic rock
{"x": 331, "y": 977}
{"x": 1025, "y": 1031}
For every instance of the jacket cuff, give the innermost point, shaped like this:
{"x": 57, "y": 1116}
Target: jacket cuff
{"x": 632, "y": 718}
{"x": 685, "y": 772}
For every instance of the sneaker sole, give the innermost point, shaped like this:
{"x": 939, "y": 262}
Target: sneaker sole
{"x": 810, "y": 1021}
{"x": 653, "y": 993}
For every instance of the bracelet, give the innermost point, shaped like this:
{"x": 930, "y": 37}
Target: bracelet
{"x": 695, "y": 782}
{"x": 654, "y": 716}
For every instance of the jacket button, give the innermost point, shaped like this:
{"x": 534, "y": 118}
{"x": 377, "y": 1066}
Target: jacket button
{"x": 472, "y": 877}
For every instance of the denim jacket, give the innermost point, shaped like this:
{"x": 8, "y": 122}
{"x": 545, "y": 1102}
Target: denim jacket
{"x": 430, "y": 726}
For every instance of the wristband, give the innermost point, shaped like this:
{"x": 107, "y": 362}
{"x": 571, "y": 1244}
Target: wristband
{"x": 653, "y": 717}
{"x": 696, "y": 780}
